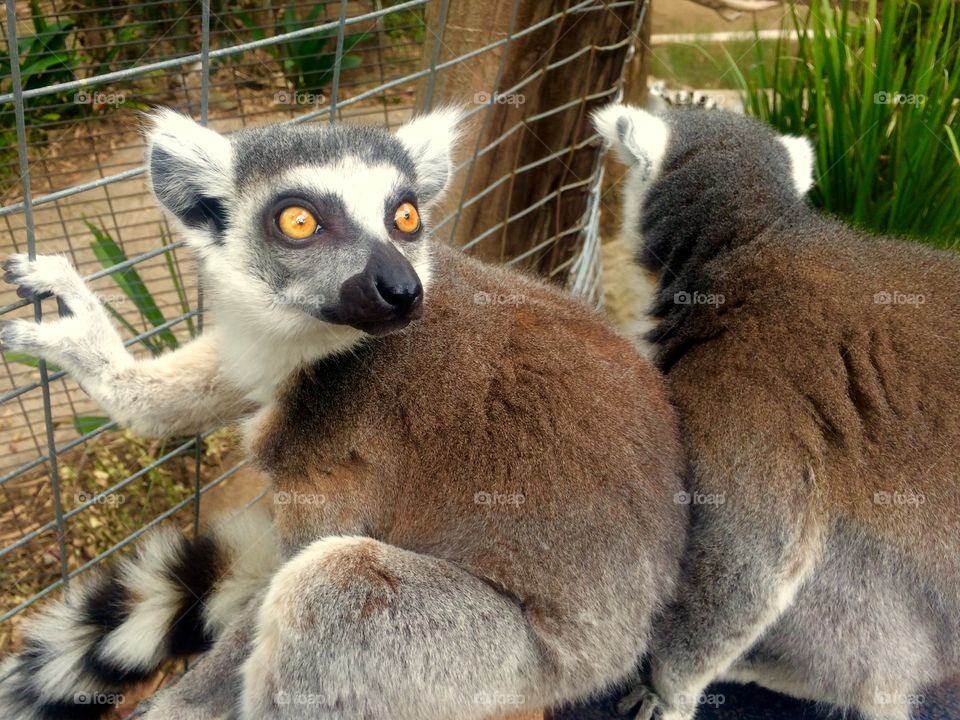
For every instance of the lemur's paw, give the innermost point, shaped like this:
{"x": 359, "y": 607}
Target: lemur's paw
{"x": 19, "y": 336}
{"x": 647, "y": 705}
{"x": 51, "y": 341}
{"x": 643, "y": 701}
{"x": 51, "y": 274}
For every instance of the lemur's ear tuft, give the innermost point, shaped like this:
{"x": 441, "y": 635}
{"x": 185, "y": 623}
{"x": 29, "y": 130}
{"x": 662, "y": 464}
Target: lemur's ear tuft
{"x": 430, "y": 140}
{"x": 636, "y": 136}
{"x": 191, "y": 172}
{"x": 801, "y": 162}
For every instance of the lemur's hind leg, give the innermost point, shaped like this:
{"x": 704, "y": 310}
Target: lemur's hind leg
{"x": 756, "y": 575}
{"x": 181, "y": 392}
{"x": 356, "y": 629}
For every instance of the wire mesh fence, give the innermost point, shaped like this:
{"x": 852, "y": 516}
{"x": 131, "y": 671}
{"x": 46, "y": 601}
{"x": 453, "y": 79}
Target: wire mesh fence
{"x": 74, "y": 488}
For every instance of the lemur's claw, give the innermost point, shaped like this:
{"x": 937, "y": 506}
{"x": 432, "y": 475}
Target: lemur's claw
{"x": 15, "y": 270}
{"x": 644, "y": 701}
{"x": 15, "y": 277}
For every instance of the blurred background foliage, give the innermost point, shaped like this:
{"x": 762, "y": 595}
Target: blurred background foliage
{"x": 877, "y": 91}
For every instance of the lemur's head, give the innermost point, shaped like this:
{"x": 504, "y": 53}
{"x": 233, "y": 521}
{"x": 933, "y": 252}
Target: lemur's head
{"x": 307, "y": 226}
{"x": 692, "y": 155}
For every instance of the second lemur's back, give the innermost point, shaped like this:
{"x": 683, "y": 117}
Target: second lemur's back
{"x": 816, "y": 374}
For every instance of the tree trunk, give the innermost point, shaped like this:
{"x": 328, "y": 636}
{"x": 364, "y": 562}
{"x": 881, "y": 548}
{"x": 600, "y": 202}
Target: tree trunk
{"x": 561, "y": 185}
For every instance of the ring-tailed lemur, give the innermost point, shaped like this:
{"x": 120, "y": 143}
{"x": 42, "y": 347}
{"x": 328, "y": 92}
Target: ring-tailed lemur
{"x": 660, "y": 97}
{"x": 817, "y": 376}
{"x": 474, "y": 510}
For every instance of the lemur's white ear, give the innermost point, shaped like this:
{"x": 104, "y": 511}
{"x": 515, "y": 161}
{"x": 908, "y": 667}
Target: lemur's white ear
{"x": 801, "y": 162}
{"x": 191, "y": 172}
{"x": 430, "y": 140}
{"x": 637, "y": 137}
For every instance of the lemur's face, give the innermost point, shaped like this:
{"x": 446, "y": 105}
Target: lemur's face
{"x": 300, "y": 225}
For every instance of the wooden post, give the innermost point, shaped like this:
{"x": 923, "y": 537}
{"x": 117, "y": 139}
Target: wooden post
{"x": 471, "y": 25}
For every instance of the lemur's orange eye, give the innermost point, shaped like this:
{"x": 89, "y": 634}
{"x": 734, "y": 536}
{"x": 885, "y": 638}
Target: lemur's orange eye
{"x": 297, "y": 223}
{"x": 406, "y": 218}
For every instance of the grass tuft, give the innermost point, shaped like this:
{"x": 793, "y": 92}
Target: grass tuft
{"x": 877, "y": 92}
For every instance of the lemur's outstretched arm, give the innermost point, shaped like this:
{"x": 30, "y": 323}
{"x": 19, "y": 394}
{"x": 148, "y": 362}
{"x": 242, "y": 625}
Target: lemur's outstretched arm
{"x": 181, "y": 392}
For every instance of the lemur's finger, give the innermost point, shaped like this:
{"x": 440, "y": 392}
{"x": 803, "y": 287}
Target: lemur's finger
{"x": 650, "y": 709}
{"x": 21, "y": 336}
{"x": 50, "y": 274}
{"x": 15, "y": 267}
{"x": 633, "y": 698}
{"x": 63, "y": 310}
{"x": 53, "y": 341}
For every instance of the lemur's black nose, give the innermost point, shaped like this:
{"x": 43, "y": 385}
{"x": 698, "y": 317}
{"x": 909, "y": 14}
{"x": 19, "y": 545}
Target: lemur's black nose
{"x": 386, "y": 296}
{"x": 395, "y": 280}
{"x": 401, "y": 294}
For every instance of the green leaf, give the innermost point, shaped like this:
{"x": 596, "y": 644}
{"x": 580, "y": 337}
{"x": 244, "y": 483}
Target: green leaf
{"x": 29, "y": 360}
{"x": 84, "y": 424}
{"x": 178, "y": 286}
{"x": 110, "y": 254}
{"x": 953, "y": 143}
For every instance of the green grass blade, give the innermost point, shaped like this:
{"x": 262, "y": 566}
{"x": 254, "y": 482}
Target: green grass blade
{"x": 178, "y": 286}
{"x": 109, "y": 253}
{"x": 29, "y": 360}
{"x": 84, "y": 424}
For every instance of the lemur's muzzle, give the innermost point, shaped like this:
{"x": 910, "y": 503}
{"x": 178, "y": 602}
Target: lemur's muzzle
{"x": 382, "y": 298}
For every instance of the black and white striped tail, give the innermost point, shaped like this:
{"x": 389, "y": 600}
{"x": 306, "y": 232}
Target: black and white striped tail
{"x": 171, "y": 599}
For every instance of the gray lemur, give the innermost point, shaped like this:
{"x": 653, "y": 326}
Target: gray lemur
{"x": 817, "y": 375}
{"x": 474, "y": 475}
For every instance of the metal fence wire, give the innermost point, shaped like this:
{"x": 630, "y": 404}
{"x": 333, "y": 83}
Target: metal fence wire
{"x": 74, "y": 488}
